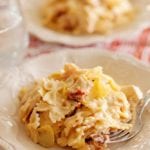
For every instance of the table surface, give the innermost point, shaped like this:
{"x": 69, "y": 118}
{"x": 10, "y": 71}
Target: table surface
{"x": 138, "y": 46}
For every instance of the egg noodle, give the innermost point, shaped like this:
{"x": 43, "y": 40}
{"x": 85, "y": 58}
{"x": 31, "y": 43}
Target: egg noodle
{"x": 77, "y": 108}
{"x": 87, "y": 16}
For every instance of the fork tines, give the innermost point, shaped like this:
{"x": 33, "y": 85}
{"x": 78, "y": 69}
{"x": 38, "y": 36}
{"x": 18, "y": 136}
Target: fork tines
{"x": 119, "y": 136}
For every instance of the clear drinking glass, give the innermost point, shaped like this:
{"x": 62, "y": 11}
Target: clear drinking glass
{"x": 13, "y": 37}
{"x": 13, "y": 41}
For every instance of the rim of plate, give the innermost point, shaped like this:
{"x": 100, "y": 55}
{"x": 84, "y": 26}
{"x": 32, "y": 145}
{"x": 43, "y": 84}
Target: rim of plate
{"x": 103, "y": 52}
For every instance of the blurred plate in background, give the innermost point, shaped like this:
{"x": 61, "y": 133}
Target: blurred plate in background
{"x": 32, "y": 12}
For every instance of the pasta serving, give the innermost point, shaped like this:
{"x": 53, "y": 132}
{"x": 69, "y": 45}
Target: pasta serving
{"x": 87, "y": 16}
{"x": 77, "y": 108}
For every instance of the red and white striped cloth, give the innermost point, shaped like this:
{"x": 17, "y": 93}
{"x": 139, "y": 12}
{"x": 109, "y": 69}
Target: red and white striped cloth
{"x": 138, "y": 46}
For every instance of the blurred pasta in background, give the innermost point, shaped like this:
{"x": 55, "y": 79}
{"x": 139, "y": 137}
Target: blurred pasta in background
{"x": 87, "y": 16}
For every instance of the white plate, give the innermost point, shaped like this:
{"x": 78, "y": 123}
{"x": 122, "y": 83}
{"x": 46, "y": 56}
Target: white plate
{"x": 125, "y": 70}
{"x": 32, "y": 12}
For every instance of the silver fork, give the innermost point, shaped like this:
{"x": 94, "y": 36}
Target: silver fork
{"x": 124, "y": 135}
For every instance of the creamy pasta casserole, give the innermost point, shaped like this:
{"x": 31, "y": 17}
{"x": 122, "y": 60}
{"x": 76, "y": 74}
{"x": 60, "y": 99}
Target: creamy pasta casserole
{"x": 87, "y": 16}
{"x": 77, "y": 108}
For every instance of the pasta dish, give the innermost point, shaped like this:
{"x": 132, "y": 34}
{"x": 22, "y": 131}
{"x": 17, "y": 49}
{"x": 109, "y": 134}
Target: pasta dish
{"x": 76, "y": 108}
{"x": 87, "y": 16}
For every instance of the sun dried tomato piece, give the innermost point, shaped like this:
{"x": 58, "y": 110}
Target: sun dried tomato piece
{"x": 77, "y": 95}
